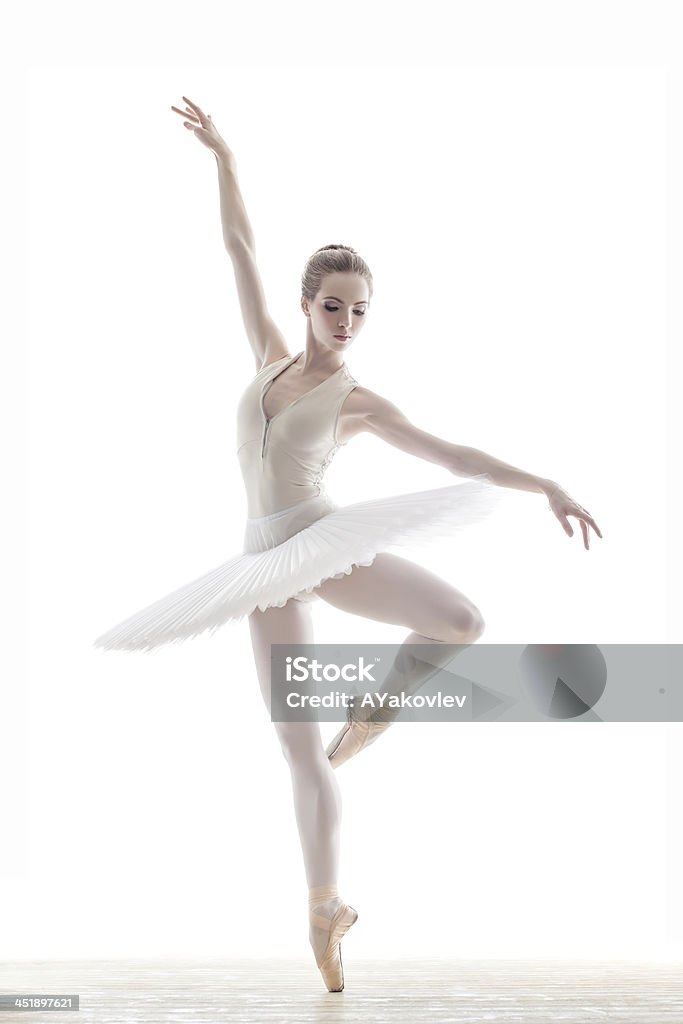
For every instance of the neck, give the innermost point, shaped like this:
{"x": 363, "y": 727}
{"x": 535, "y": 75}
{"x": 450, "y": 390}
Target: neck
{"x": 319, "y": 361}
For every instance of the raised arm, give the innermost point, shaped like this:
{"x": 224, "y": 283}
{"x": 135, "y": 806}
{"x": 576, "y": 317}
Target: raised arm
{"x": 266, "y": 340}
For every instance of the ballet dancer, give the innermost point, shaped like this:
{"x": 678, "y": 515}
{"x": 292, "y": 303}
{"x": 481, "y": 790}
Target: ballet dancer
{"x": 300, "y": 546}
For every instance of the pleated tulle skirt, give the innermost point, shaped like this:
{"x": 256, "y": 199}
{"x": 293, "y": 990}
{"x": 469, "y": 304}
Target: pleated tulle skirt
{"x": 291, "y": 552}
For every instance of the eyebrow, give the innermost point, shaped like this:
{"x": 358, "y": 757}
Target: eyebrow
{"x": 363, "y": 302}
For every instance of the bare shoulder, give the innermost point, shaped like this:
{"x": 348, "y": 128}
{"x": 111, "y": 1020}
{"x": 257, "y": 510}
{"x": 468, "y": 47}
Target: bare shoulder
{"x": 360, "y": 409}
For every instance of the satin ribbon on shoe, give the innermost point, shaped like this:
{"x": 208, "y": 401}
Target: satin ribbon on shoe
{"x": 352, "y": 738}
{"x": 330, "y": 962}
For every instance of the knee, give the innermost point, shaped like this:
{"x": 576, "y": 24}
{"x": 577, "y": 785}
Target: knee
{"x": 289, "y": 754}
{"x": 296, "y": 743}
{"x": 288, "y": 746}
{"x": 463, "y": 626}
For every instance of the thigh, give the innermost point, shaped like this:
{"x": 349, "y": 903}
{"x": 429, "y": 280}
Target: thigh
{"x": 293, "y": 623}
{"x": 396, "y": 590}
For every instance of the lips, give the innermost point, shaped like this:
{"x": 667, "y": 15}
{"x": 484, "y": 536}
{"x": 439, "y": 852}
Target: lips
{"x": 343, "y": 337}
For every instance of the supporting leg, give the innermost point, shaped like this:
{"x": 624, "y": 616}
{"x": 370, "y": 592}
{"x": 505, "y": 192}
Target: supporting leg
{"x": 317, "y": 798}
{"x": 316, "y": 793}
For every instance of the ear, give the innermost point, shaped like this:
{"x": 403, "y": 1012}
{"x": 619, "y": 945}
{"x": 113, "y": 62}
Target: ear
{"x": 304, "y": 305}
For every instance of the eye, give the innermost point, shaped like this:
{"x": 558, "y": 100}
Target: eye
{"x": 333, "y": 309}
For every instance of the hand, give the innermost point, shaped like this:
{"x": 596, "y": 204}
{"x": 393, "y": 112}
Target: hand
{"x": 562, "y": 505}
{"x": 204, "y": 129}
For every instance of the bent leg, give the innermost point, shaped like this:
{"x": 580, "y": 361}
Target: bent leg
{"x": 317, "y": 799}
{"x": 398, "y": 591}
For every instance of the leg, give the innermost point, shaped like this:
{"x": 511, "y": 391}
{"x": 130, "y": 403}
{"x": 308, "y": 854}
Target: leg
{"x": 395, "y": 590}
{"x": 399, "y": 591}
{"x": 317, "y": 799}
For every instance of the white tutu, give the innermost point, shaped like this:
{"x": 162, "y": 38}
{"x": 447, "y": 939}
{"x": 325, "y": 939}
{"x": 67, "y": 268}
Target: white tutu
{"x": 288, "y": 554}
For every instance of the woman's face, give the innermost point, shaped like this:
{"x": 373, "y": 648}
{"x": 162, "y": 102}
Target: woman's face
{"x": 339, "y": 308}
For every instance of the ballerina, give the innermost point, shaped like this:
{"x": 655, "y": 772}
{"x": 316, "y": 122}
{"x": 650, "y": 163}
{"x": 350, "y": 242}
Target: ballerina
{"x": 300, "y": 546}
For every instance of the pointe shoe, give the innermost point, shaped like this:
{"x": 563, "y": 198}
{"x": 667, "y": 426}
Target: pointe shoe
{"x": 330, "y": 964}
{"x": 352, "y": 738}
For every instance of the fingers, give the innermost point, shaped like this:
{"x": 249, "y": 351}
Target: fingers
{"x": 585, "y": 520}
{"x": 185, "y": 113}
{"x": 203, "y": 119}
{"x": 200, "y": 113}
{"x": 589, "y": 519}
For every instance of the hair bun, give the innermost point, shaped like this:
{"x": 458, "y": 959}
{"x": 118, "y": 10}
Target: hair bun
{"x": 335, "y": 245}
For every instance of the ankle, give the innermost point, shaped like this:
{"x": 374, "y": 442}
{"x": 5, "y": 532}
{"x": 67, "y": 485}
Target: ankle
{"x": 321, "y": 893}
{"x": 322, "y": 897}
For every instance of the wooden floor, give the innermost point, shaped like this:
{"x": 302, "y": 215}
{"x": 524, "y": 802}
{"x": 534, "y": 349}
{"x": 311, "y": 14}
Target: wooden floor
{"x": 396, "y": 991}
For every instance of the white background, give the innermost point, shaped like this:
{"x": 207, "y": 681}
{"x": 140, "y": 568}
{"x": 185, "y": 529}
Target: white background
{"x": 505, "y": 177}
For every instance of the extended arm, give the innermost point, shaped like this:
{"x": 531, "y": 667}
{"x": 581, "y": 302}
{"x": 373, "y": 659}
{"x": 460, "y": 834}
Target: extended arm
{"x": 375, "y": 414}
{"x": 383, "y": 419}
